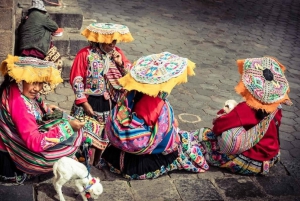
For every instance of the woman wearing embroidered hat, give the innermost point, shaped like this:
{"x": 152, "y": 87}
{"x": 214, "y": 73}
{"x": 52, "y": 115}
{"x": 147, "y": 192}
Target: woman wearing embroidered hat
{"x": 34, "y": 37}
{"x": 94, "y": 77}
{"x": 29, "y": 143}
{"x": 246, "y": 140}
{"x": 145, "y": 141}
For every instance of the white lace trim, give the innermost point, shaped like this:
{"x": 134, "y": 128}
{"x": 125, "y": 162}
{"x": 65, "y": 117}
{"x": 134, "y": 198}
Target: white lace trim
{"x": 108, "y": 28}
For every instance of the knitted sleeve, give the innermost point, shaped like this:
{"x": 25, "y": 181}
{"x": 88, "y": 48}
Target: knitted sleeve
{"x": 78, "y": 74}
{"x": 28, "y": 129}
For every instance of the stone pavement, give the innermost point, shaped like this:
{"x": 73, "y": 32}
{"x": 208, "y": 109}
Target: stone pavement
{"x": 213, "y": 34}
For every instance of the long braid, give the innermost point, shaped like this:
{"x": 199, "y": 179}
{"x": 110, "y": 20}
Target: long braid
{"x": 7, "y": 81}
{"x": 261, "y": 114}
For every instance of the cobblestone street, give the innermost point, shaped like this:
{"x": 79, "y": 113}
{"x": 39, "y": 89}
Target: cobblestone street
{"x": 213, "y": 34}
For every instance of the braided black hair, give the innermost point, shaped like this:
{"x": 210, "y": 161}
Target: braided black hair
{"x": 260, "y": 114}
{"x": 7, "y": 81}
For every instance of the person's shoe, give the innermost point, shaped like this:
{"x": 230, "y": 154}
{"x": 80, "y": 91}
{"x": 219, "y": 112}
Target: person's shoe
{"x": 21, "y": 178}
{"x": 101, "y": 164}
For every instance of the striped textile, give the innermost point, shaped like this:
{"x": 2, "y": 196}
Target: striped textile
{"x": 237, "y": 140}
{"x": 236, "y": 163}
{"x": 129, "y": 133}
{"x": 113, "y": 86}
{"x": 188, "y": 156}
{"x": 26, "y": 160}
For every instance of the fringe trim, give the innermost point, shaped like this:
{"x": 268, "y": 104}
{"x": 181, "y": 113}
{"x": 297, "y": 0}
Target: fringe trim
{"x": 106, "y": 38}
{"x": 29, "y": 73}
{"x": 255, "y": 104}
{"x": 129, "y": 83}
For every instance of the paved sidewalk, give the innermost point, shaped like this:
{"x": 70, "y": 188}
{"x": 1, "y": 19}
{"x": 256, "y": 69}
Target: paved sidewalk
{"x": 213, "y": 34}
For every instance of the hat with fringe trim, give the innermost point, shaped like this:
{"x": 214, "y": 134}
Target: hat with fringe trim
{"x": 107, "y": 33}
{"x": 30, "y": 70}
{"x": 263, "y": 84}
{"x": 157, "y": 73}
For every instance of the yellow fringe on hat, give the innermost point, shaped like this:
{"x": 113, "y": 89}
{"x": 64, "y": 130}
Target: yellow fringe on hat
{"x": 29, "y": 73}
{"x": 129, "y": 83}
{"x": 249, "y": 98}
{"x": 106, "y": 38}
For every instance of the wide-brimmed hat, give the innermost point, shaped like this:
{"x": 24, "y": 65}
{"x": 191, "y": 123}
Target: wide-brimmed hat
{"x": 38, "y": 4}
{"x": 263, "y": 83}
{"x": 30, "y": 70}
{"x": 157, "y": 73}
{"x": 107, "y": 33}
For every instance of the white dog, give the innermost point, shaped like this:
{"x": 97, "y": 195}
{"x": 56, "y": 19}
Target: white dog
{"x": 66, "y": 169}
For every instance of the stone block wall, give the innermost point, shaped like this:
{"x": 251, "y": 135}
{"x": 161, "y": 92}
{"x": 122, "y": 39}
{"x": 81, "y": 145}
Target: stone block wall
{"x": 7, "y": 27}
{"x": 10, "y": 15}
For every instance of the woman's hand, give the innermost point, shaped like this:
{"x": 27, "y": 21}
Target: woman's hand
{"x": 88, "y": 109}
{"x": 117, "y": 57}
{"x": 76, "y": 125}
{"x": 176, "y": 124}
{"x": 52, "y": 108}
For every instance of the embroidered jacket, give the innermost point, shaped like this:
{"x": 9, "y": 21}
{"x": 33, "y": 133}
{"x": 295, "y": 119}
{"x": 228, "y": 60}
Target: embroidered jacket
{"x": 87, "y": 74}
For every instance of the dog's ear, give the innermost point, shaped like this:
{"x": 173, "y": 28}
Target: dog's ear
{"x": 98, "y": 179}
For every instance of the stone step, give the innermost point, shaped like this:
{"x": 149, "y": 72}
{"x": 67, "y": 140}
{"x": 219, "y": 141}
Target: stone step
{"x": 67, "y": 14}
{"x": 13, "y": 192}
{"x": 70, "y": 42}
{"x": 67, "y": 64}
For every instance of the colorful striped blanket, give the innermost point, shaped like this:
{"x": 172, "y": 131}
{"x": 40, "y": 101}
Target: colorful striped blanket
{"x": 26, "y": 160}
{"x": 129, "y": 133}
{"x": 237, "y": 140}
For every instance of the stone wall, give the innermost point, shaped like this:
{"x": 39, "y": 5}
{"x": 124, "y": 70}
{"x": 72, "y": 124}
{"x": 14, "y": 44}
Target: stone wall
{"x": 7, "y": 27}
{"x": 10, "y": 15}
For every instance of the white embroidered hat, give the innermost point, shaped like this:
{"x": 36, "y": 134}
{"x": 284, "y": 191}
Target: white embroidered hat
{"x": 107, "y": 33}
{"x": 38, "y": 4}
{"x": 158, "y": 73}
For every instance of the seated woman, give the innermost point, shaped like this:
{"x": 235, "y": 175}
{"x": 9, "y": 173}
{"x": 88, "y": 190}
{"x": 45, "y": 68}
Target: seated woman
{"x": 28, "y": 143}
{"x": 246, "y": 140}
{"x": 35, "y": 32}
{"x": 145, "y": 142}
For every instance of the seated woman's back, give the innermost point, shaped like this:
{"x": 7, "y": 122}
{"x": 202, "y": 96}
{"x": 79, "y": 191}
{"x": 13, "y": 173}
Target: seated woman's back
{"x": 243, "y": 115}
{"x": 148, "y": 108}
